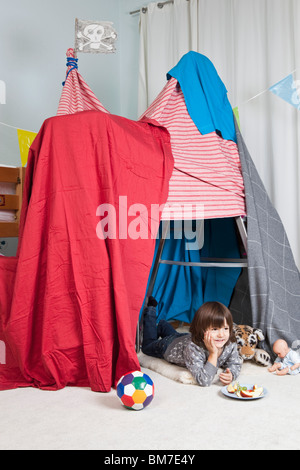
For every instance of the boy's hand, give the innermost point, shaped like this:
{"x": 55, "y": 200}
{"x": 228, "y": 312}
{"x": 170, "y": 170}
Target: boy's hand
{"x": 226, "y": 377}
{"x": 212, "y": 349}
{"x": 209, "y": 343}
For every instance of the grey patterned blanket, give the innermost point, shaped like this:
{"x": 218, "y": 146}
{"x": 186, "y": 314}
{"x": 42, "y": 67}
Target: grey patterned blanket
{"x": 267, "y": 295}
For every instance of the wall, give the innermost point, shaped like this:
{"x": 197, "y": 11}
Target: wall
{"x": 34, "y": 38}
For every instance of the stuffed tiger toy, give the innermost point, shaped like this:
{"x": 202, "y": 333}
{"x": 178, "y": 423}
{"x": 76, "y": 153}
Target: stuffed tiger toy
{"x": 247, "y": 339}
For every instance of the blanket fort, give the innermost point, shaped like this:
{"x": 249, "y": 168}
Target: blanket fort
{"x": 77, "y": 295}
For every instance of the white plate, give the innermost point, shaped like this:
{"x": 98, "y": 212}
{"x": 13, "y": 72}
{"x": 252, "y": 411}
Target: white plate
{"x": 249, "y": 387}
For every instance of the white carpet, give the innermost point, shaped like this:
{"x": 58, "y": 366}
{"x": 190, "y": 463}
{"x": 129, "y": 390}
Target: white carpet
{"x": 181, "y": 417}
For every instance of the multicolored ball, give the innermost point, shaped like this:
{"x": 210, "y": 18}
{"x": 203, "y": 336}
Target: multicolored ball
{"x": 135, "y": 390}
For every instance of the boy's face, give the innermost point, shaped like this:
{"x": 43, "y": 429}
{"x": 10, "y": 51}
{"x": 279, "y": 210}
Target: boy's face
{"x": 220, "y": 336}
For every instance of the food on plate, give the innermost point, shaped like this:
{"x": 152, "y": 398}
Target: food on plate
{"x": 232, "y": 388}
{"x": 258, "y": 392}
{"x": 244, "y": 392}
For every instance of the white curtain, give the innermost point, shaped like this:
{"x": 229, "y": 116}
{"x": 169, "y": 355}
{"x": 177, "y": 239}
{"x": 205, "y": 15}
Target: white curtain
{"x": 253, "y": 45}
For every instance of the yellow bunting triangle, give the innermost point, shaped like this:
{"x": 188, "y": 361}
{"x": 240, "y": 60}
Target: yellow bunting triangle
{"x": 237, "y": 116}
{"x": 25, "y": 140}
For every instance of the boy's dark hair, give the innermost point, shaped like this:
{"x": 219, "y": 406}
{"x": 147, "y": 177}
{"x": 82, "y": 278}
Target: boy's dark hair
{"x": 211, "y": 314}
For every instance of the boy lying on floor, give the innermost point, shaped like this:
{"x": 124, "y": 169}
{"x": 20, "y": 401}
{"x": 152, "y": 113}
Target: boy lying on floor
{"x": 210, "y": 344}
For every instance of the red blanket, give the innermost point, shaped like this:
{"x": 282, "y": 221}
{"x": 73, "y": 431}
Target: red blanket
{"x": 85, "y": 251}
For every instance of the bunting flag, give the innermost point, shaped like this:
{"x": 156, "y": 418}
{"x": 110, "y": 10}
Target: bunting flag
{"x": 287, "y": 90}
{"x": 25, "y": 140}
{"x": 237, "y": 116}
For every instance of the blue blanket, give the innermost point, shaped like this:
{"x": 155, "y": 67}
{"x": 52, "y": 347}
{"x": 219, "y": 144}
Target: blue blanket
{"x": 181, "y": 290}
{"x": 205, "y": 95}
